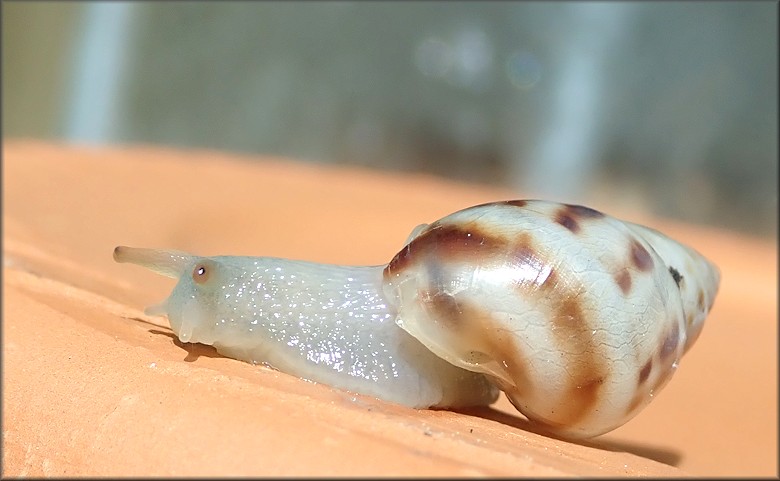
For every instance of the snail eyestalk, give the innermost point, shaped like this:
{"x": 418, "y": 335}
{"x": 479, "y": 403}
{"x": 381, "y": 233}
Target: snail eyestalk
{"x": 169, "y": 263}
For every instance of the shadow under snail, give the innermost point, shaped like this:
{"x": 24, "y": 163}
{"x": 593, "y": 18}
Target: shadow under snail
{"x": 580, "y": 318}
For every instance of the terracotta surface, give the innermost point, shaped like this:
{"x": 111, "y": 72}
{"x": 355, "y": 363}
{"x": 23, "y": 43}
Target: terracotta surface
{"x": 91, "y": 386}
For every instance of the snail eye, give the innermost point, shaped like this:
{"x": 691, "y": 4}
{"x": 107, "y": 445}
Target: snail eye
{"x": 201, "y": 274}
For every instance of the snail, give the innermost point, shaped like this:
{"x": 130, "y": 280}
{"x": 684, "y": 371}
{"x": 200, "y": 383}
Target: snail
{"x": 579, "y": 317}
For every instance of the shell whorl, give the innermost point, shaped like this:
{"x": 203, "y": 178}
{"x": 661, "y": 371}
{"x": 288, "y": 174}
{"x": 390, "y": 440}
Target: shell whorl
{"x": 573, "y": 313}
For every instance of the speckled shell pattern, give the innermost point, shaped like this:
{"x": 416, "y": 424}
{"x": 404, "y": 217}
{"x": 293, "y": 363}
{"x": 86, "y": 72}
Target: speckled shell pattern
{"x": 579, "y": 317}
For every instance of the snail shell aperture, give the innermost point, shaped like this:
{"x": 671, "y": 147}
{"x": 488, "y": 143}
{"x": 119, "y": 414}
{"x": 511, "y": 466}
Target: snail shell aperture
{"x": 580, "y": 318}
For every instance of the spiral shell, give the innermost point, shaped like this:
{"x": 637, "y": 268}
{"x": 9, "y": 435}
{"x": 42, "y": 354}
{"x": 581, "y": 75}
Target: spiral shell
{"x": 578, "y": 317}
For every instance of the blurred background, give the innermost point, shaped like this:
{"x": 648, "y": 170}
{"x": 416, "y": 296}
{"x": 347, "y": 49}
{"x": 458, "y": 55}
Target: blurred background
{"x": 671, "y": 107}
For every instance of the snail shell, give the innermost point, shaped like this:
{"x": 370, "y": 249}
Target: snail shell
{"x": 580, "y": 318}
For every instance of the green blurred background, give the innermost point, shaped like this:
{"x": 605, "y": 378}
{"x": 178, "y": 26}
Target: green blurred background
{"x": 668, "y": 106}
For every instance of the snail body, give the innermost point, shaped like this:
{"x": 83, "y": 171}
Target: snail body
{"x": 580, "y": 318}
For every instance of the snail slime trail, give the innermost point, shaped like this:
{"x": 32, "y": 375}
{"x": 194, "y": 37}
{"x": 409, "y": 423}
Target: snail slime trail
{"x": 579, "y": 317}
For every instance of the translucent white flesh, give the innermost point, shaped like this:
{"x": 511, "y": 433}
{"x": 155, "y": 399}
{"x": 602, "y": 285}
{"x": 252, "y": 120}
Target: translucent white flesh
{"x": 324, "y": 323}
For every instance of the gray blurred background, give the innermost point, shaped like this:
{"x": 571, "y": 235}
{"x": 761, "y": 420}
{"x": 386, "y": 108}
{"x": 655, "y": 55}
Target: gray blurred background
{"x": 670, "y": 106}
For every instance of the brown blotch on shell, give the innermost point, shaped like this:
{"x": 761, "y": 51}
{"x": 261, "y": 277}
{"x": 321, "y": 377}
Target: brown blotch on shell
{"x": 669, "y": 345}
{"x": 582, "y": 211}
{"x": 517, "y": 203}
{"x": 563, "y": 218}
{"x": 523, "y": 251}
{"x": 645, "y": 372}
{"x": 623, "y": 280}
{"x": 569, "y": 316}
{"x": 590, "y": 387}
{"x": 513, "y": 202}
{"x": 570, "y": 214}
{"x": 700, "y": 300}
{"x": 524, "y": 257}
{"x": 676, "y": 276}
{"x": 640, "y": 257}
{"x": 583, "y": 396}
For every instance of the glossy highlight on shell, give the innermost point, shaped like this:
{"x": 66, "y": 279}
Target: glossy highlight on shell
{"x": 580, "y": 318}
